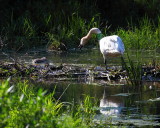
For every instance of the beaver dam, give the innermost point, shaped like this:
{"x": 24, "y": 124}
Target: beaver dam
{"x": 85, "y": 65}
{"x": 124, "y": 98}
{"x": 66, "y": 72}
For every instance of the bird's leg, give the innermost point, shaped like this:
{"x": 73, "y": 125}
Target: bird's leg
{"x": 106, "y": 66}
{"x": 105, "y": 62}
{"x": 123, "y": 63}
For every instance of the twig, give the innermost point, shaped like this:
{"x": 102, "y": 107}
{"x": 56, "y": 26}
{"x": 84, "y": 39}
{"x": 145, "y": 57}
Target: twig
{"x": 63, "y": 92}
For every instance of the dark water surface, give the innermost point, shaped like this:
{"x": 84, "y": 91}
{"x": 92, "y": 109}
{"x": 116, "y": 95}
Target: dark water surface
{"x": 120, "y": 103}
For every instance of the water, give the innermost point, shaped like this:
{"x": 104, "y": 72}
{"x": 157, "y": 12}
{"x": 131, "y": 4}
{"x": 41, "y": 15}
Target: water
{"x": 118, "y": 102}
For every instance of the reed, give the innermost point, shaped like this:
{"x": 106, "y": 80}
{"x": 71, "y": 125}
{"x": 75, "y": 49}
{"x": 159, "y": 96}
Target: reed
{"x": 134, "y": 69}
{"x": 146, "y": 36}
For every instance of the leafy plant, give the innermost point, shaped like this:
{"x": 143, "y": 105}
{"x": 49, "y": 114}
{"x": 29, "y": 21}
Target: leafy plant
{"x": 23, "y": 105}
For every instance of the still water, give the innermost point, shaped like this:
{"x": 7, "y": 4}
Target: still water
{"x": 120, "y": 103}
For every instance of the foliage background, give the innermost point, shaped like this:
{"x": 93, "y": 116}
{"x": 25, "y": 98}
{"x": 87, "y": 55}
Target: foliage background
{"x": 31, "y": 23}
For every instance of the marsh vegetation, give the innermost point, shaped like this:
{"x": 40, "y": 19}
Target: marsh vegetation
{"x": 75, "y": 90}
{"x": 56, "y": 24}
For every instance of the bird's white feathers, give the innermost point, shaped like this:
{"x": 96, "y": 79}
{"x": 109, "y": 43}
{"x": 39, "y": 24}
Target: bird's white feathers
{"x": 111, "y": 45}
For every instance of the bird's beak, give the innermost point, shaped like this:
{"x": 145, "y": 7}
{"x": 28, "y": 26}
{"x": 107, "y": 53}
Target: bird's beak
{"x": 80, "y": 46}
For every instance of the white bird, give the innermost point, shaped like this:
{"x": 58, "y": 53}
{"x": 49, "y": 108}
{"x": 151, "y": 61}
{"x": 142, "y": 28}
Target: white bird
{"x": 110, "y": 46}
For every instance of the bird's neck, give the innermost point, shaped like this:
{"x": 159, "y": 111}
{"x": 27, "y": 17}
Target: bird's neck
{"x": 94, "y": 31}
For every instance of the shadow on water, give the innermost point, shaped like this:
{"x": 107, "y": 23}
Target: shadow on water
{"x": 119, "y": 103}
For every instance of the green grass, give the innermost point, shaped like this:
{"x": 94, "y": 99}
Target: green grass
{"x": 51, "y": 26}
{"x": 134, "y": 69}
{"x": 144, "y": 36}
{"x": 23, "y": 105}
{"x": 67, "y": 30}
{"x": 28, "y": 24}
{"x": 56, "y": 28}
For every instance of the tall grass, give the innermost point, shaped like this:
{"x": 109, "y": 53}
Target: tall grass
{"x": 47, "y": 24}
{"x": 23, "y": 105}
{"x": 134, "y": 69}
{"x": 57, "y": 29}
{"x": 20, "y": 32}
{"x": 146, "y": 36}
{"x": 56, "y": 22}
{"x": 74, "y": 27}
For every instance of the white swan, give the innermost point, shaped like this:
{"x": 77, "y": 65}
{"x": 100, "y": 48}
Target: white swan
{"x": 110, "y": 46}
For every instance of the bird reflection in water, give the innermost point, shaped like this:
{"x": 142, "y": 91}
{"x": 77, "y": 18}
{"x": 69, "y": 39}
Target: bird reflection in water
{"x": 110, "y": 106}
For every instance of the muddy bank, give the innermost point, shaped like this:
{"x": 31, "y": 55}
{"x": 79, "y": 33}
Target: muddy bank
{"x": 73, "y": 71}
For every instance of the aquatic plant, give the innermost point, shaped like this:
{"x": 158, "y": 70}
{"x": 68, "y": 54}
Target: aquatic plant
{"x": 23, "y": 105}
{"x": 134, "y": 69}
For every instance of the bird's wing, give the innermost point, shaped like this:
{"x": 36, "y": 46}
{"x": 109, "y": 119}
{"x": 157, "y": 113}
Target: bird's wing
{"x": 113, "y": 43}
{"x": 109, "y": 43}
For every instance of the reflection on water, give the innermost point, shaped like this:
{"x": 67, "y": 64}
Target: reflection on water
{"x": 123, "y": 103}
{"x": 109, "y": 106}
